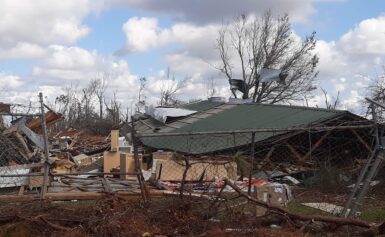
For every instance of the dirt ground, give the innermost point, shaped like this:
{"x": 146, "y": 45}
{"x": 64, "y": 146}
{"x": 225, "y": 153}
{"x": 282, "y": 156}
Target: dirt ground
{"x": 112, "y": 217}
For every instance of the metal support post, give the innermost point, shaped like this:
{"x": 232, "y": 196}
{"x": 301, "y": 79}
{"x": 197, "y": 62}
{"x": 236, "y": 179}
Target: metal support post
{"x": 252, "y": 160}
{"x": 138, "y": 170}
{"x": 46, "y": 149}
{"x": 368, "y": 172}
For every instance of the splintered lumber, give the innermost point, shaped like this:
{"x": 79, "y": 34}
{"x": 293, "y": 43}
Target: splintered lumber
{"x": 294, "y": 152}
{"x": 316, "y": 145}
{"x": 362, "y": 141}
{"x": 50, "y": 118}
{"x": 5, "y": 108}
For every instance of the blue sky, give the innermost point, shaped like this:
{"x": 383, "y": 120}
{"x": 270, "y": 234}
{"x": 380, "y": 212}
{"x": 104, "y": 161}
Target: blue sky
{"x": 48, "y": 45}
{"x": 334, "y": 18}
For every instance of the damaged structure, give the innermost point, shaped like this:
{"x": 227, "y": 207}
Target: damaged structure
{"x": 198, "y": 148}
{"x": 285, "y": 135}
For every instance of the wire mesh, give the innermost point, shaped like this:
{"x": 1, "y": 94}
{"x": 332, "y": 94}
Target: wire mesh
{"x": 199, "y": 164}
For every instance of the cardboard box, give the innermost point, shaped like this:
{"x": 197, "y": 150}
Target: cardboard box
{"x": 111, "y": 159}
{"x": 37, "y": 181}
{"x": 274, "y": 193}
{"x": 163, "y": 155}
{"x": 172, "y": 170}
{"x": 82, "y": 160}
{"x": 127, "y": 165}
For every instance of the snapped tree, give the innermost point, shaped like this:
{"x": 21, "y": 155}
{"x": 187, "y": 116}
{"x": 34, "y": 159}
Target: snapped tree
{"x": 254, "y": 43}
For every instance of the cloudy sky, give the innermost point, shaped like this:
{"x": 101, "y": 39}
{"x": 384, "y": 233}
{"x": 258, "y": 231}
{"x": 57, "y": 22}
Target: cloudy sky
{"x": 47, "y": 45}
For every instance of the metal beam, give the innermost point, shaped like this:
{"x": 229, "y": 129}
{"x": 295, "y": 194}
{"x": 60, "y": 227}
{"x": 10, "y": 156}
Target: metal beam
{"x": 329, "y": 128}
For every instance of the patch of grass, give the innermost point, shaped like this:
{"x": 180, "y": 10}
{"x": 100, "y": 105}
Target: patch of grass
{"x": 300, "y": 209}
{"x": 373, "y": 215}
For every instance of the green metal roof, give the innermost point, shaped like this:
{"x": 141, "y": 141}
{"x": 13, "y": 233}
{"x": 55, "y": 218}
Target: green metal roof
{"x": 238, "y": 117}
{"x": 201, "y": 105}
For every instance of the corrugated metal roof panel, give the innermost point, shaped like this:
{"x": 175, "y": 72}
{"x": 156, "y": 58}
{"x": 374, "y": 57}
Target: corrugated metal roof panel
{"x": 238, "y": 117}
{"x": 201, "y": 105}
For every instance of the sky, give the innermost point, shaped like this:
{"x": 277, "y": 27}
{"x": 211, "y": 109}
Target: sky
{"x": 49, "y": 45}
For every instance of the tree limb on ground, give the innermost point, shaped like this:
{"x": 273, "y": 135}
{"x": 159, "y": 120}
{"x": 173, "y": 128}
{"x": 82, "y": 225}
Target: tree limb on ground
{"x": 327, "y": 219}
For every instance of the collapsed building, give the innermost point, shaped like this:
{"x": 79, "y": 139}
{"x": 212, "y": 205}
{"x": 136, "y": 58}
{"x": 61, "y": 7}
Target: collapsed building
{"x": 284, "y": 140}
{"x": 200, "y": 143}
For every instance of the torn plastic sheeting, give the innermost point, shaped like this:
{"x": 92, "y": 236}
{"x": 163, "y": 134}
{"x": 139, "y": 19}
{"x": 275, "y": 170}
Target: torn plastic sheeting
{"x": 162, "y": 114}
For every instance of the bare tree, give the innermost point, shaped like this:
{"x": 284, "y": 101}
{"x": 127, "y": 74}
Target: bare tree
{"x": 169, "y": 88}
{"x": 113, "y": 110}
{"x": 68, "y": 105}
{"x": 100, "y": 88}
{"x": 377, "y": 92}
{"x": 267, "y": 42}
{"x": 210, "y": 87}
{"x": 333, "y": 103}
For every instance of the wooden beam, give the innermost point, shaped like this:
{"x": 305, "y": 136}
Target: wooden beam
{"x": 316, "y": 145}
{"x": 21, "y": 140}
{"x": 362, "y": 141}
{"x": 294, "y": 152}
{"x": 67, "y": 196}
{"x": 273, "y": 130}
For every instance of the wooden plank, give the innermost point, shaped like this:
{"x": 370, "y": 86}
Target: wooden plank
{"x": 294, "y": 152}
{"x": 63, "y": 196}
{"x": 316, "y": 145}
{"x": 21, "y": 190}
{"x": 361, "y": 140}
{"x": 114, "y": 140}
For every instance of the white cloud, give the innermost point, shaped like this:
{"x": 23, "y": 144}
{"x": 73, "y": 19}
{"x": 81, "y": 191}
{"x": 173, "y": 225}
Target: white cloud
{"x": 367, "y": 37}
{"x": 74, "y": 64}
{"x": 9, "y": 82}
{"x": 347, "y": 63}
{"x": 65, "y": 66}
{"x": 22, "y": 50}
{"x": 25, "y": 26}
{"x": 143, "y": 34}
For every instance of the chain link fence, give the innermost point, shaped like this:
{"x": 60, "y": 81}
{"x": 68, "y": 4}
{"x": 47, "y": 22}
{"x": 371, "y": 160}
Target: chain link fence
{"x": 267, "y": 164}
